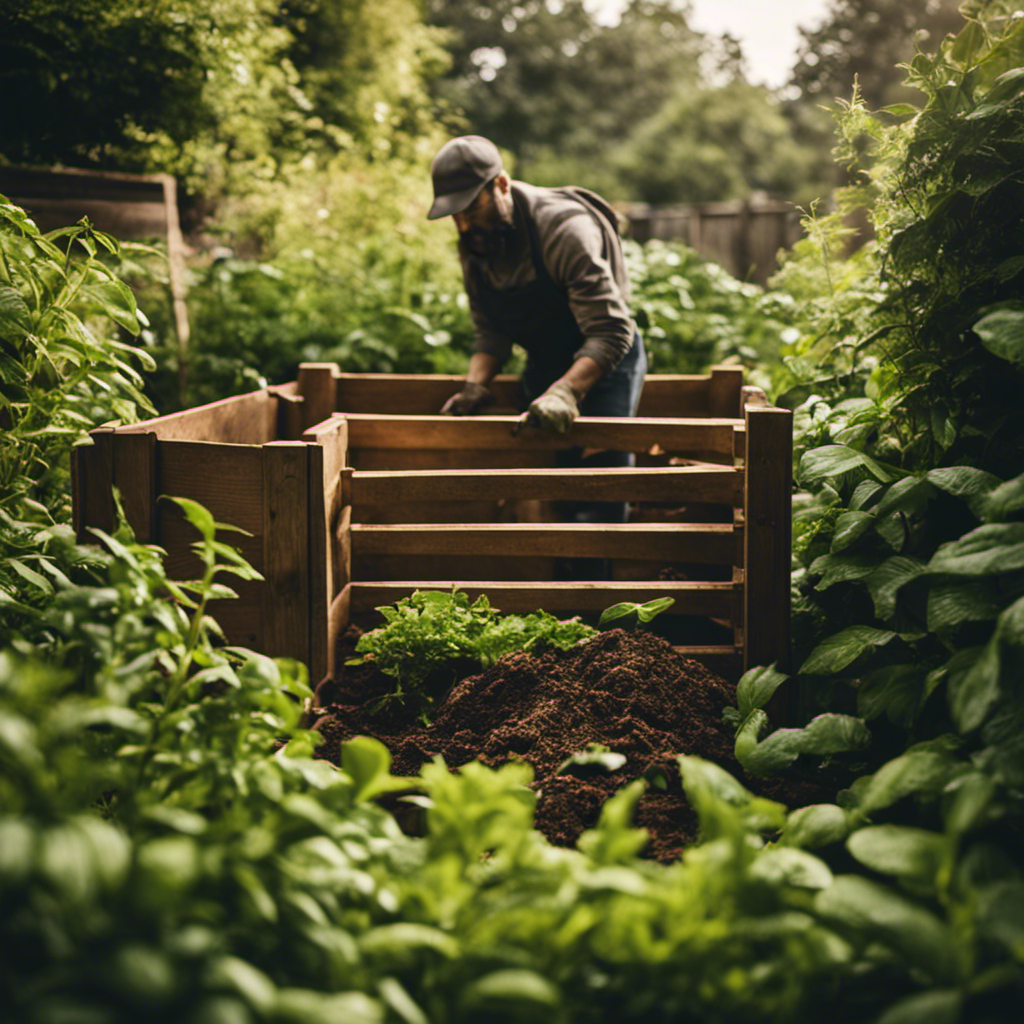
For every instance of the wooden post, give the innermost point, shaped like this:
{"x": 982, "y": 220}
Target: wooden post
{"x": 317, "y": 387}
{"x": 724, "y": 393}
{"x": 92, "y": 477}
{"x": 329, "y": 564}
{"x": 134, "y": 465}
{"x": 767, "y": 536}
{"x": 285, "y": 608}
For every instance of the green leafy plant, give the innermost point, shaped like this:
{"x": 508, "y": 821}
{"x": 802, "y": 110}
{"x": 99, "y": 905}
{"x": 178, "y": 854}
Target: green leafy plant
{"x": 629, "y": 614}
{"x": 433, "y": 635}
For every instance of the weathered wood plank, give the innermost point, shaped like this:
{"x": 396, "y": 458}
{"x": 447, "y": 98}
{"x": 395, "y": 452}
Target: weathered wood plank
{"x": 449, "y": 458}
{"x": 713, "y": 543}
{"x": 706, "y": 599}
{"x": 724, "y": 391}
{"x": 412, "y": 393}
{"x": 227, "y": 479}
{"x": 134, "y": 459}
{"x": 92, "y": 480}
{"x": 286, "y": 514}
{"x": 767, "y": 515}
{"x": 244, "y": 419}
{"x": 316, "y": 386}
{"x": 495, "y": 432}
{"x": 726, "y": 662}
{"x": 327, "y": 448}
{"x": 677, "y": 483}
{"x": 675, "y": 394}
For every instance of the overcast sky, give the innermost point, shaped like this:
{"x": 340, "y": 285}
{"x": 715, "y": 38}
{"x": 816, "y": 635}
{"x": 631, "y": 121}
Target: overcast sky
{"x": 766, "y": 28}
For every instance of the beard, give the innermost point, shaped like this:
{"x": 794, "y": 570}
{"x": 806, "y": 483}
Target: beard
{"x": 487, "y": 243}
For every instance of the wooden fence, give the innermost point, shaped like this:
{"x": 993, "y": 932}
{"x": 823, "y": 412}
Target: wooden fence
{"x": 744, "y": 236}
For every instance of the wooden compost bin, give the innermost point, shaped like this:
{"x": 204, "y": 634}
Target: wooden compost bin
{"x": 354, "y": 492}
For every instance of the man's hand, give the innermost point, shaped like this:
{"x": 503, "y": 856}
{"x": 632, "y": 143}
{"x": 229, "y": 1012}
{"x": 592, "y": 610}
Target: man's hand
{"x": 553, "y": 411}
{"x": 469, "y": 401}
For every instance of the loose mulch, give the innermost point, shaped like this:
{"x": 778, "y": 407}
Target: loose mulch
{"x": 627, "y": 690}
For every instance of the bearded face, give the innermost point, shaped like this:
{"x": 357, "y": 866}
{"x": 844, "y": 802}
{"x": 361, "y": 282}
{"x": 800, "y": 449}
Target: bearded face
{"x": 485, "y": 227}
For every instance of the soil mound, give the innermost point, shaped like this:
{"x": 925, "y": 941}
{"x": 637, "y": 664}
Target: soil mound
{"x": 629, "y": 691}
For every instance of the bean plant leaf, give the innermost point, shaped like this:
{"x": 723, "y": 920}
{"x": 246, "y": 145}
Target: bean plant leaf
{"x": 832, "y": 461}
{"x": 989, "y": 549}
{"x": 913, "y": 855}
{"x": 909, "y": 928}
{"x": 757, "y": 686}
{"x": 849, "y": 527}
{"x": 837, "y": 652}
{"x": 936, "y": 1006}
{"x": 950, "y": 605}
{"x": 917, "y": 772}
{"x": 816, "y": 825}
{"x": 825, "y": 734}
{"x": 1004, "y": 500}
{"x": 885, "y": 582}
{"x": 842, "y": 569}
{"x": 786, "y": 865}
{"x": 1002, "y": 332}
{"x": 512, "y": 987}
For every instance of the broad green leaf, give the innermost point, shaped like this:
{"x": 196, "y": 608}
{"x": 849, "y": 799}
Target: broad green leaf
{"x": 757, "y": 686}
{"x": 400, "y": 1002}
{"x": 1001, "y": 914}
{"x": 968, "y": 43}
{"x": 403, "y": 937}
{"x": 905, "y": 926}
{"x": 973, "y": 797}
{"x": 13, "y": 306}
{"x": 990, "y": 549}
{"x": 836, "y": 652}
{"x": 912, "y": 854}
{"x": 748, "y": 734}
{"x": 842, "y": 568}
{"x": 368, "y": 762}
{"x": 912, "y": 493}
{"x": 936, "y": 1006}
{"x": 832, "y": 461}
{"x": 1002, "y": 332}
{"x": 894, "y": 690}
{"x": 966, "y": 482}
{"x": 786, "y": 865}
{"x": 829, "y": 733}
{"x": 864, "y": 493}
{"x": 304, "y": 1006}
{"x": 117, "y": 301}
{"x": 239, "y": 975}
{"x": 920, "y": 772}
{"x": 17, "y": 850}
{"x": 815, "y": 825}
{"x": 512, "y": 986}
{"x": 885, "y": 582}
{"x": 197, "y": 515}
{"x": 1004, "y": 500}
{"x": 850, "y": 526}
{"x": 951, "y": 605}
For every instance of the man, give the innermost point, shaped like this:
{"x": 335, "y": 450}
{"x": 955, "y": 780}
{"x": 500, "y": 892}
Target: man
{"x": 543, "y": 268}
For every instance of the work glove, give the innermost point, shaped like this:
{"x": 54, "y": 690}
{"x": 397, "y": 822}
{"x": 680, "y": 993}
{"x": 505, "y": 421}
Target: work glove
{"x": 469, "y": 401}
{"x": 553, "y": 411}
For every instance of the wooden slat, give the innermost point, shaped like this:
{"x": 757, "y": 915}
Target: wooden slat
{"x": 92, "y": 479}
{"x": 227, "y": 479}
{"x": 674, "y": 394}
{"x": 454, "y": 458}
{"x": 677, "y": 483}
{"x": 724, "y": 661}
{"x": 134, "y": 460}
{"x": 712, "y": 543}
{"x": 706, "y": 599}
{"x": 768, "y": 536}
{"x": 244, "y": 419}
{"x": 285, "y": 509}
{"x": 412, "y": 393}
{"x": 600, "y": 432}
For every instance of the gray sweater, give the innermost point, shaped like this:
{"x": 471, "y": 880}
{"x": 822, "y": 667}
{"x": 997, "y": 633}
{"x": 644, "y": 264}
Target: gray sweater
{"x": 583, "y": 256}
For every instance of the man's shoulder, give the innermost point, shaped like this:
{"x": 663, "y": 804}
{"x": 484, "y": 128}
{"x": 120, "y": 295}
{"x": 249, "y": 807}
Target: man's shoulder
{"x": 563, "y": 209}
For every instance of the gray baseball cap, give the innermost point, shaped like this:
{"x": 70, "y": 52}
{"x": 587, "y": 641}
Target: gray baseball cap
{"x": 460, "y": 170}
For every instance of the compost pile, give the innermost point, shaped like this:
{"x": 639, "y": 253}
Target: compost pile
{"x": 629, "y": 691}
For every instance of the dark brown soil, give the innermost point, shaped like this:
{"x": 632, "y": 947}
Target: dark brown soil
{"x": 627, "y": 690}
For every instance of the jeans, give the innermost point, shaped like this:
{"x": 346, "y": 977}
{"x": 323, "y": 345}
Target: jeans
{"x": 615, "y": 394}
